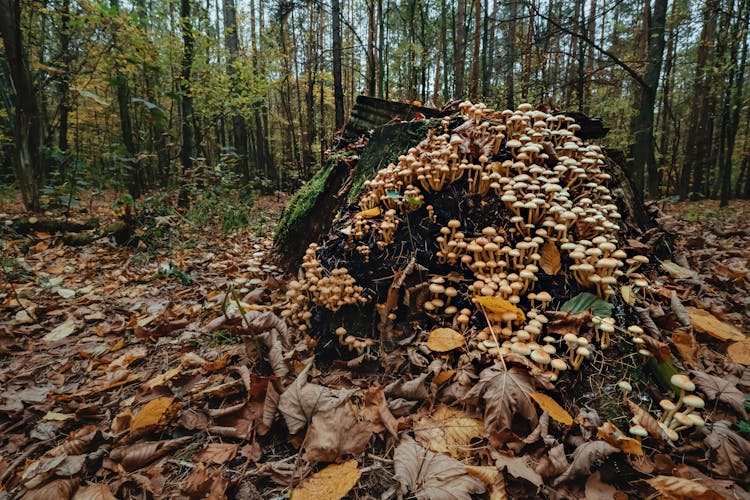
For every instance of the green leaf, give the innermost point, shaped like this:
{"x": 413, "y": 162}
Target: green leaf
{"x": 585, "y": 301}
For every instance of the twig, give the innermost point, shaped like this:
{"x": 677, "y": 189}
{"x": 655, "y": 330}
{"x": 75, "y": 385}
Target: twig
{"x": 13, "y": 289}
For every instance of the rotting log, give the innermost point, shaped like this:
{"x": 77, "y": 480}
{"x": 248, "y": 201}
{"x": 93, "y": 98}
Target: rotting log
{"x": 378, "y": 132}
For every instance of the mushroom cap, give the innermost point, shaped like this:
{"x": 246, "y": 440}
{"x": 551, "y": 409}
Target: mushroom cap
{"x": 540, "y": 356}
{"x": 559, "y": 364}
{"x": 570, "y": 337}
{"x": 340, "y": 331}
{"x": 624, "y": 386}
{"x": 693, "y": 401}
{"x": 638, "y": 430}
{"x": 582, "y": 351}
{"x": 635, "y": 330}
{"x": 671, "y": 434}
{"x": 683, "y": 419}
{"x": 697, "y": 420}
{"x": 683, "y": 382}
{"x": 667, "y": 405}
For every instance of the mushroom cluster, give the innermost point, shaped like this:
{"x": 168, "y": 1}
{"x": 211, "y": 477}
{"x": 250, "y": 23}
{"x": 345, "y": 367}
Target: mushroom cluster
{"x": 318, "y": 287}
{"x": 678, "y": 416}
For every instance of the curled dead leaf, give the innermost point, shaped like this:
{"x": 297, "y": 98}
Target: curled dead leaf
{"x": 450, "y": 431}
{"x": 705, "y": 322}
{"x": 723, "y": 389}
{"x": 335, "y": 433}
{"x": 61, "y": 488}
{"x": 682, "y": 489}
{"x": 549, "y": 405}
{"x": 614, "y": 436}
{"x": 98, "y": 491}
{"x": 137, "y": 455}
{"x": 550, "y": 258}
{"x": 153, "y": 415}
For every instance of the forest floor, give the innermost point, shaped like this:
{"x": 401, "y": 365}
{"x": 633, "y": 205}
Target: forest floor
{"x": 128, "y": 371}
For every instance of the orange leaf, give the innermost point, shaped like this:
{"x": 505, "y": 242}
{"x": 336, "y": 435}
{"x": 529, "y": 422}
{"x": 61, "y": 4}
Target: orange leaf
{"x": 549, "y": 405}
{"x": 615, "y": 437}
{"x": 550, "y": 261}
{"x": 739, "y": 352}
{"x": 444, "y": 340}
{"x": 499, "y": 306}
{"x": 331, "y": 483}
{"x": 163, "y": 378}
{"x": 443, "y": 377}
{"x": 217, "y": 453}
{"x": 369, "y": 214}
{"x": 686, "y": 346}
{"x": 704, "y": 321}
{"x": 151, "y": 415}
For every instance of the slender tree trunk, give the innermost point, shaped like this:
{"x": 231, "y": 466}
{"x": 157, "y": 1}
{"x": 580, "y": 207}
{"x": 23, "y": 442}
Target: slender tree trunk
{"x": 459, "y": 50}
{"x": 338, "y": 90}
{"x": 64, "y": 84}
{"x": 28, "y": 165}
{"x": 477, "y": 42}
{"x": 239, "y": 128}
{"x": 186, "y": 97}
{"x": 440, "y": 49}
{"x": 370, "y": 59}
{"x": 510, "y": 55}
{"x": 643, "y": 133}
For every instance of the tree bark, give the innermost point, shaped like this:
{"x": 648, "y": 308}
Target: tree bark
{"x": 186, "y": 98}
{"x": 239, "y": 129}
{"x": 459, "y": 50}
{"x": 28, "y": 164}
{"x": 510, "y": 52}
{"x": 338, "y": 90}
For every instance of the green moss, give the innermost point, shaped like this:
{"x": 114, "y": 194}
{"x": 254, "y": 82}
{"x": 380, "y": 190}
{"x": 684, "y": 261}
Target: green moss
{"x": 303, "y": 200}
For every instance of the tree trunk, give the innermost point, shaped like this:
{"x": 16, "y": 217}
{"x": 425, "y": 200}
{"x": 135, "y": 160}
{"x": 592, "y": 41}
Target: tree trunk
{"x": 338, "y": 90}
{"x": 186, "y": 98}
{"x": 239, "y": 129}
{"x": 510, "y": 55}
{"x": 459, "y": 50}
{"x": 28, "y": 164}
{"x": 477, "y": 43}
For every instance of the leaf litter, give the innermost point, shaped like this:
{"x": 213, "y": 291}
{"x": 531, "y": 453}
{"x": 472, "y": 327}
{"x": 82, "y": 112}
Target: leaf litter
{"x": 138, "y": 384}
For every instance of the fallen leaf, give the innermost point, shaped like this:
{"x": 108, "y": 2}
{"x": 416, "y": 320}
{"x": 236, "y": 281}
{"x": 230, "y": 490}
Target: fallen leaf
{"x": 562, "y": 323}
{"x": 492, "y": 477}
{"x": 722, "y": 388}
{"x": 648, "y": 422}
{"x": 686, "y": 346}
{"x": 377, "y": 411}
{"x": 627, "y": 294}
{"x": 705, "y": 322}
{"x": 53, "y": 416}
{"x": 614, "y": 436}
{"x": 443, "y": 377}
{"x": 151, "y": 416}
{"x": 586, "y": 301}
{"x": 739, "y": 352}
{"x": 137, "y": 455}
{"x": 163, "y": 378}
{"x": 549, "y": 405}
{"x": 682, "y": 489}
{"x": 729, "y": 453}
{"x": 518, "y": 467}
{"x": 444, "y": 340}
{"x": 331, "y": 483}
{"x": 506, "y": 394}
{"x": 61, "y": 331}
{"x": 61, "y": 488}
{"x": 409, "y": 389}
{"x": 682, "y": 314}
{"x": 301, "y": 400}
{"x": 449, "y": 431}
{"x": 335, "y": 433}
{"x": 596, "y": 489}
{"x": 550, "y": 258}
{"x": 65, "y": 293}
{"x": 676, "y": 270}
{"x": 98, "y": 491}
{"x": 498, "y": 305}
{"x": 432, "y": 476}
{"x": 584, "y": 457}
{"x": 216, "y": 453}
{"x": 369, "y": 213}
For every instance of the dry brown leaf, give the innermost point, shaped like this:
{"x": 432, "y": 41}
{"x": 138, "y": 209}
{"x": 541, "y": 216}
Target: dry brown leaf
{"x": 409, "y": 389}
{"x": 163, "y": 378}
{"x": 729, "y": 453}
{"x": 563, "y": 322}
{"x": 376, "y": 410}
{"x": 596, "y": 489}
{"x": 335, "y": 433}
{"x": 331, "y": 483}
{"x": 518, "y": 467}
{"x": 506, "y": 394}
{"x": 137, "y": 455}
{"x": 301, "y": 400}
{"x": 705, "y": 322}
{"x": 628, "y": 295}
{"x": 432, "y": 476}
{"x": 722, "y": 388}
{"x": 77, "y": 443}
{"x": 686, "y": 346}
{"x": 216, "y": 453}
{"x": 676, "y": 270}
{"x": 739, "y": 352}
{"x": 682, "y": 489}
{"x": 682, "y": 315}
{"x": 549, "y": 405}
{"x": 554, "y": 463}
{"x": 443, "y": 377}
{"x": 611, "y": 434}
{"x": 450, "y": 431}
{"x": 584, "y": 457}
{"x": 151, "y": 416}
{"x": 550, "y": 261}
{"x": 98, "y": 491}
{"x": 444, "y": 340}
{"x": 492, "y": 477}
{"x": 648, "y": 422}
{"x": 61, "y": 488}
{"x": 198, "y": 483}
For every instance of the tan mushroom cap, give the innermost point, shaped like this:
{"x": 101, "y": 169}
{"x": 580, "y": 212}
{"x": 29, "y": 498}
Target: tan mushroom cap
{"x": 638, "y": 430}
{"x": 693, "y": 401}
{"x": 683, "y": 382}
{"x": 624, "y": 386}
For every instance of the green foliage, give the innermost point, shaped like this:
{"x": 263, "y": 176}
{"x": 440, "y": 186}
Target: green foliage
{"x": 585, "y": 301}
{"x": 171, "y": 271}
{"x": 221, "y": 203}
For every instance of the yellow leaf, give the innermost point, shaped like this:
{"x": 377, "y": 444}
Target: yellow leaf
{"x": 549, "y": 405}
{"x": 444, "y": 340}
{"x": 627, "y": 295}
{"x": 443, "y": 377}
{"x": 62, "y": 330}
{"x": 704, "y": 321}
{"x": 151, "y": 415}
{"x": 163, "y": 378}
{"x": 681, "y": 488}
{"x": 369, "y": 214}
{"x": 676, "y": 270}
{"x": 739, "y": 352}
{"x": 614, "y": 436}
{"x": 499, "y": 306}
{"x": 550, "y": 261}
{"x": 449, "y": 431}
{"x": 331, "y": 483}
